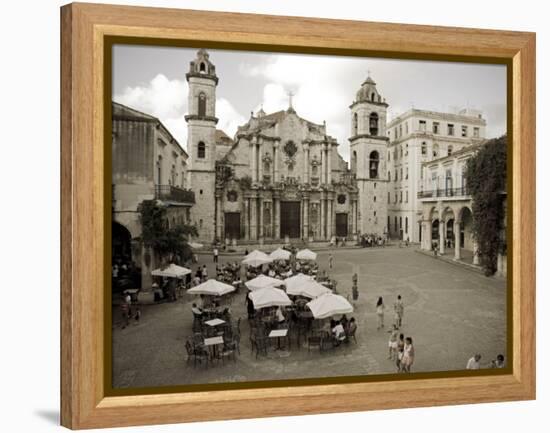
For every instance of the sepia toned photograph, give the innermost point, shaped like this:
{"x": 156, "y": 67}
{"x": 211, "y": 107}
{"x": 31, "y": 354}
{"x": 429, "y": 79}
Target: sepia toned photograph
{"x": 290, "y": 216}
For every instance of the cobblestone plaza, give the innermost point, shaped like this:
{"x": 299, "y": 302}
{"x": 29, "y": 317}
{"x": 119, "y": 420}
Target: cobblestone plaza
{"x": 451, "y": 312}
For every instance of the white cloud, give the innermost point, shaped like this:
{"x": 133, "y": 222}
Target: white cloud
{"x": 320, "y": 94}
{"x": 167, "y": 100}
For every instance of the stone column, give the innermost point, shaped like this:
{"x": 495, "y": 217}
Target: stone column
{"x": 260, "y": 164}
{"x": 329, "y": 163}
{"x": 305, "y": 224}
{"x": 322, "y": 232}
{"x": 457, "y": 239}
{"x": 323, "y": 164}
{"x": 427, "y": 235}
{"x": 276, "y": 218}
{"x": 261, "y": 221}
{"x": 246, "y": 218}
{"x": 306, "y": 162}
{"x": 254, "y": 218}
{"x": 276, "y": 162}
{"x": 442, "y": 228}
{"x": 219, "y": 212}
{"x": 254, "y": 159}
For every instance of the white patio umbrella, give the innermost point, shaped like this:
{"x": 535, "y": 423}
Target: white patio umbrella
{"x": 257, "y": 258}
{"x": 295, "y": 282}
{"x": 262, "y": 281}
{"x": 329, "y": 305}
{"x": 280, "y": 254}
{"x": 171, "y": 271}
{"x": 306, "y": 254}
{"x": 269, "y": 297}
{"x": 195, "y": 245}
{"x": 212, "y": 287}
{"x": 309, "y": 288}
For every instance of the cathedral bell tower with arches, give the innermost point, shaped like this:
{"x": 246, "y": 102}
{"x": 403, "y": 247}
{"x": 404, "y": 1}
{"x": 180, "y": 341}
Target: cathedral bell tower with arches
{"x": 201, "y": 141}
{"x": 368, "y": 148}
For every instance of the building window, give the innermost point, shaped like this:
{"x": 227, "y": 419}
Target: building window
{"x": 374, "y": 199}
{"x": 395, "y": 223}
{"x": 389, "y": 199}
{"x": 400, "y": 151}
{"x": 448, "y": 182}
{"x": 406, "y": 224}
{"x": 395, "y": 178}
{"x": 406, "y": 128}
{"x": 450, "y": 129}
{"x": 355, "y": 124}
{"x": 464, "y": 131}
{"x": 449, "y": 150}
{"x": 201, "y": 150}
{"x": 422, "y": 125}
{"x": 435, "y": 127}
{"x": 389, "y": 156}
{"x": 424, "y": 148}
{"x": 389, "y": 222}
{"x": 373, "y": 124}
{"x": 436, "y": 151}
{"x": 400, "y": 222}
{"x": 389, "y": 175}
{"x": 400, "y": 196}
{"x": 406, "y": 196}
{"x": 374, "y": 161}
{"x": 476, "y": 132}
{"x": 406, "y": 172}
{"x": 341, "y": 199}
{"x": 202, "y": 67}
{"x": 202, "y": 104}
{"x": 374, "y": 213}
{"x": 395, "y": 197}
{"x": 401, "y": 173}
{"x": 400, "y": 130}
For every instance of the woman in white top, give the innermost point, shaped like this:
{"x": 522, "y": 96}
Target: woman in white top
{"x": 380, "y": 312}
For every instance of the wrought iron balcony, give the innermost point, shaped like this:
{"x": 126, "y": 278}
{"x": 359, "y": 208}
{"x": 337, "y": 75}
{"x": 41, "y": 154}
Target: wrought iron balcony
{"x": 173, "y": 193}
{"x": 444, "y": 192}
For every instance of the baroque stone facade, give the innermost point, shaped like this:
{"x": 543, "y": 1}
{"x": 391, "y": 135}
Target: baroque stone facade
{"x": 281, "y": 177}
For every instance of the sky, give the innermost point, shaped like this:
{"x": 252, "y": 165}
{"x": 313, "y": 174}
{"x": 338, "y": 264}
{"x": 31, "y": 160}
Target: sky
{"x": 152, "y": 80}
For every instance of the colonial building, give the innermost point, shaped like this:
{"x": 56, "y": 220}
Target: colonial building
{"x": 417, "y": 137}
{"x": 280, "y": 178}
{"x": 147, "y": 164}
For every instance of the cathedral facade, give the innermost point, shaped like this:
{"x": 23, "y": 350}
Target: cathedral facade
{"x": 281, "y": 177}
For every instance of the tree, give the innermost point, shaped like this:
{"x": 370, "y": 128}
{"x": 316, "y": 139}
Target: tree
{"x": 486, "y": 180}
{"x": 168, "y": 243}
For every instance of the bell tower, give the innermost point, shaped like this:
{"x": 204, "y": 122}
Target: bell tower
{"x": 201, "y": 141}
{"x": 368, "y": 148}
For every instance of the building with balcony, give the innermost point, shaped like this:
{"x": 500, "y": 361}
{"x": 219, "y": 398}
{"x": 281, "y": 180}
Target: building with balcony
{"x": 417, "y": 137}
{"x": 147, "y": 164}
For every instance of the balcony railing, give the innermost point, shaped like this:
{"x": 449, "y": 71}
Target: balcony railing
{"x": 173, "y": 193}
{"x": 444, "y": 192}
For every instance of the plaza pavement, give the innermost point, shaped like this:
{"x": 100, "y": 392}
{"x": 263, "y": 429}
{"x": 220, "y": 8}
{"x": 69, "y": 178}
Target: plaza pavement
{"x": 450, "y": 312}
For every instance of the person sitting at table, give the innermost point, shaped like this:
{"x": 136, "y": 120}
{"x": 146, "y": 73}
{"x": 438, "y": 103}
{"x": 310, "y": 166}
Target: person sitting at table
{"x": 338, "y": 333}
{"x": 197, "y": 312}
{"x": 271, "y": 273}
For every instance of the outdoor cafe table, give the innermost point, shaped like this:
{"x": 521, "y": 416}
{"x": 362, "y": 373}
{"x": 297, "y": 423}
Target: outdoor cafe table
{"x": 278, "y": 333}
{"x": 214, "y": 322}
{"x": 213, "y": 343}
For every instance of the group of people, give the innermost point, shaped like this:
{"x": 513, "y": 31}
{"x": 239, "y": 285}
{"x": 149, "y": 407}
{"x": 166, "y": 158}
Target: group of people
{"x": 343, "y": 329}
{"x": 128, "y": 312}
{"x": 398, "y": 312}
{"x": 372, "y": 240}
{"x": 228, "y": 272}
{"x": 474, "y": 363}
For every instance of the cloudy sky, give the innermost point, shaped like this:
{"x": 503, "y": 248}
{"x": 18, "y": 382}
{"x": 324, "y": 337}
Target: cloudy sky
{"x": 152, "y": 80}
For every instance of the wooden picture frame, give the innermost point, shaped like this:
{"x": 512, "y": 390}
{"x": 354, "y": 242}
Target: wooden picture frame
{"x": 84, "y": 228}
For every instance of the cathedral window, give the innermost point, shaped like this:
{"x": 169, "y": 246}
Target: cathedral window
{"x": 373, "y": 124}
{"x": 373, "y": 96}
{"x": 341, "y": 199}
{"x": 374, "y": 161}
{"x": 202, "y": 67}
{"x": 355, "y": 124}
{"x": 201, "y": 150}
{"x": 202, "y": 104}
{"x": 159, "y": 170}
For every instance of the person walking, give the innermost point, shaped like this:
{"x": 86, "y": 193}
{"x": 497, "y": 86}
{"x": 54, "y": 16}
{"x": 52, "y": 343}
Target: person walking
{"x": 215, "y": 253}
{"x": 392, "y": 343}
{"x": 408, "y": 355}
{"x": 380, "y": 312}
{"x": 399, "y": 310}
{"x": 330, "y": 261}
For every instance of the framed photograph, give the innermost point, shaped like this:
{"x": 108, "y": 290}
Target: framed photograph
{"x": 265, "y": 215}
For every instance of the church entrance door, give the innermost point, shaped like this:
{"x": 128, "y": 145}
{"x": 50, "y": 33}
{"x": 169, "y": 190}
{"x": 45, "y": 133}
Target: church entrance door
{"x": 342, "y": 225}
{"x": 290, "y": 219}
{"x": 232, "y": 225}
